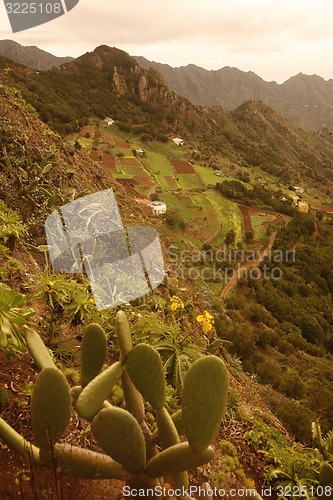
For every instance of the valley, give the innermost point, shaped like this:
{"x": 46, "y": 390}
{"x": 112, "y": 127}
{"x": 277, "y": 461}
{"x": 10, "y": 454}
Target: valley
{"x": 246, "y": 193}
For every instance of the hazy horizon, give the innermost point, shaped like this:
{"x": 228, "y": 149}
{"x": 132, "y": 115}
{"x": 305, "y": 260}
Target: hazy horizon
{"x": 274, "y": 40}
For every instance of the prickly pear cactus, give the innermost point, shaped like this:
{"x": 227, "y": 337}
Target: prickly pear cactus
{"x": 93, "y": 353}
{"x": 203, "y": 401}
{"x": 50, "y": 406}
{"x": 131, "y": 451}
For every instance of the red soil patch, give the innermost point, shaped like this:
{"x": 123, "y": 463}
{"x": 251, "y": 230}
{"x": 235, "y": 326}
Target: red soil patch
{"x": 170, "y": 181}
{"x": 247, "y": 212}
{"x": 183, "y": 167}
{"x": 97, "y": 134}
{"x": 326, "y": 208}
{"x": 130, "y": 162}
{"x": 94, "y": 155}
{"x": 108, "y": 157}
{"x": 120, "y": 142}
{"x": 109, "y": 166}
{"x": 86, "y": 129}
{"x": 144, "y": 180}
{"x": 107, "y": 139}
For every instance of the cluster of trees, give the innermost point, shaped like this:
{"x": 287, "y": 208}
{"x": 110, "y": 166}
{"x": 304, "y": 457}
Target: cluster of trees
{"x": 254, "y": 195}
{"x": 286, "y": 340}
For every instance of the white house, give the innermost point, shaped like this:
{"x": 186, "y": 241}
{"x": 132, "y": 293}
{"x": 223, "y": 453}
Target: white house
{"x": 108, "y": 121}
{"x": 178, "y": 141}
{"x": 158, "y": 207}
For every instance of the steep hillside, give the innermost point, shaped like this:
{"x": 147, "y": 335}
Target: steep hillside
{"x": 32, "y": 56}
{"x": 108, "y": 82}
{"x": 275, "y": 335}
{"x": 303, "y": 99}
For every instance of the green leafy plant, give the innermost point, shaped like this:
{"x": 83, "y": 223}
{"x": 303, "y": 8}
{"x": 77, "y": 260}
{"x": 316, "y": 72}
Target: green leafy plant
{"x": 13, "y": 319}
{"x": 66, "y": 297}
{"x": 11, "y": 226}
{"x": 130, "y": 448}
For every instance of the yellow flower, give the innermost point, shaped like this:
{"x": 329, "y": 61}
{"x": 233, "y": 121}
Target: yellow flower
{"x": 207, "y": 321}
{"x": 207, "y": 327}
{"x": 49, "y": 286}
{"x": 208, "y": 316}
{"x": 176, "y": 303}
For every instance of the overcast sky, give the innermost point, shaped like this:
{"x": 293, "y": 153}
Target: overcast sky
{"x": 274, "y": 38}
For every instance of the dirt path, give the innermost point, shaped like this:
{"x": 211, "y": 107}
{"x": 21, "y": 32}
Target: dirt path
{"x": 234, "y": 280}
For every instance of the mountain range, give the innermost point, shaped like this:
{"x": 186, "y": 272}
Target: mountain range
{"x": 303, "y": 99}
{"x": 306, "y": 100}
{"x": 231, "y": 185}
{"x": 32, "y": 56}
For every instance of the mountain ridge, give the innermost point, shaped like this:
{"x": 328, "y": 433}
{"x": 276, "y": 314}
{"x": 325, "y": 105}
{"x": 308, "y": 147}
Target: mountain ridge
{"x": 108, "y": 82}
{"x": 230, "y": 87}
{"x": 31, "y": 56}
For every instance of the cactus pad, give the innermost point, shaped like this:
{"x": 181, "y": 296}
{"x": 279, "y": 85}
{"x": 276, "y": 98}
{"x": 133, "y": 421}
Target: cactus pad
{"x": 50, "y": 406}
{"x": 177, "y": 458}
{"x": 79, "y": 462}
{"x": 326, "y": 474}
{"x": 120, "y": 436}
{"x": 93, "y": 353}
{"x": 167, "y": 431}
{"x": 91, "y": 399}
{"x": 145, "y": 368}
{"x": 123, "y": 333}
{"x": 204, "y": 398}
{"x": 17, "y": 443}
{"x": 133, "y": 399}
{"x": 38, "y": 350}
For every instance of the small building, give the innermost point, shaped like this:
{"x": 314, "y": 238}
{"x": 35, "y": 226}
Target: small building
{"x": 158, "y": 207}
{"x": 296, "y": 199}
{"x": 298, "y": 189}
{"x": 178, "y": 141}
{"x": 139, "y": 152}
{"x": 303, "y": 207}
{"x": 108, "y": 121}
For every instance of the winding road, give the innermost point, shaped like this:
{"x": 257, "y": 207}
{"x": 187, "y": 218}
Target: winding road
{"x": 255, "y": 263}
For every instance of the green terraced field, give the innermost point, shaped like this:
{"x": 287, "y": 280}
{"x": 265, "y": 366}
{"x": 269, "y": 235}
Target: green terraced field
{"x": 259, "y": 229}
{"x": 159, "y": 167}
{"x": 181, "y": 205}
{"x": 190, "y": 181}
{"x": 229, "y": 216}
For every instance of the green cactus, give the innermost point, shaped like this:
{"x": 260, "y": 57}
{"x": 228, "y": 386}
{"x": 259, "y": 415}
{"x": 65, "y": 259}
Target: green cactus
{"x": 203, "y": 401}
{"x": 326, "y": 474}
{"x": 133, "y": 398}
{"x": 17, "y": 443}
{"x": 124, "y": 435}
{"x": 123, "y": 333}
{"x": 91, "y": 399}
{"x": 82, "y": 463}
{"x": 38, "y": 350}
{"x": 145, "y": 368}
{"x": 326, "y": 480}
{"x": 50, "y": 406}
{"x": 93, "y": 353}
{"x": 177, "y": 458}
{"x": 120, "y": 436}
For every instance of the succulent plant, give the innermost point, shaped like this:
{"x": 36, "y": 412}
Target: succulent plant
{"x": 130, "y": 447}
